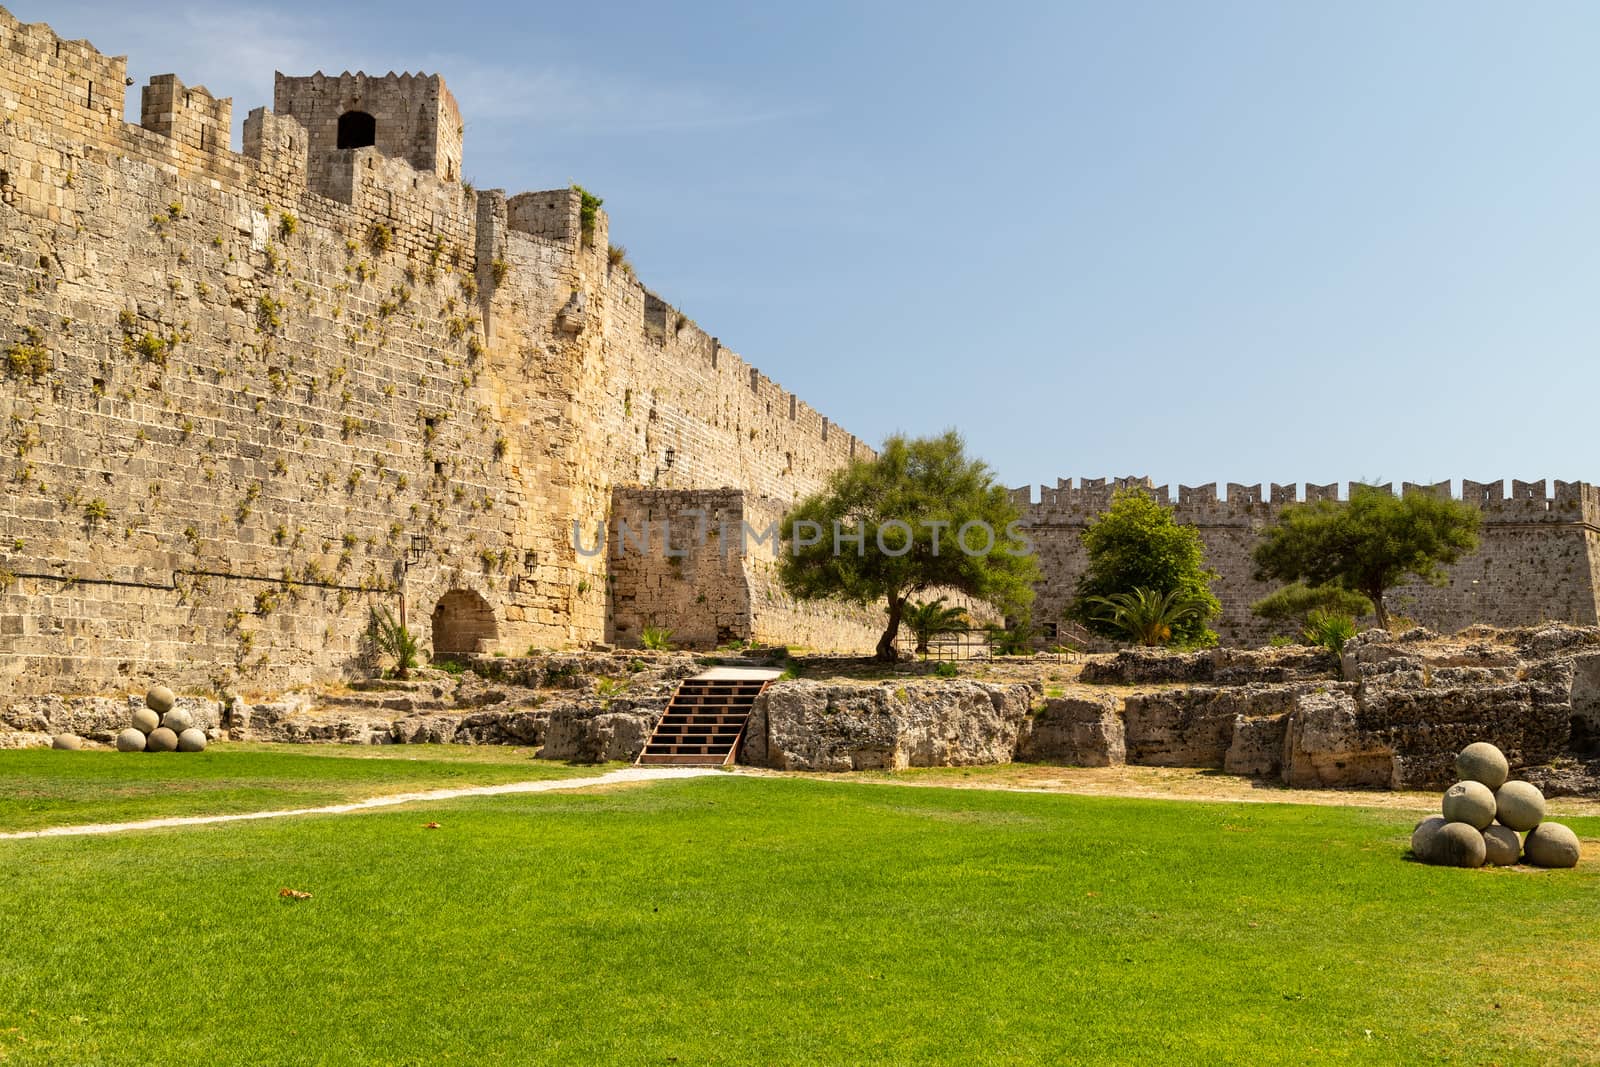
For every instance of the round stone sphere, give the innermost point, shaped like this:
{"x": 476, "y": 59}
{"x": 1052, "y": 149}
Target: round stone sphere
{"x": 131, "y": 740}
{"x": 1501, "y": 846}
{"x": 193, "y": 740}
{"x": 159, "y": 700}
{"x": 1552, "y": 845}
{"x": 1469, "y": 802}
{"x": 1422, "y": 843}
{"x": 1519, "y": 805}
{"x": 1482, "y": 762}
{"x": 177, "y": 720}
{"x": 145, "y": 720}
{"x": 1458, "y": 844}
{"x": 66, "y": 742}
{"x": 162, "y": 740}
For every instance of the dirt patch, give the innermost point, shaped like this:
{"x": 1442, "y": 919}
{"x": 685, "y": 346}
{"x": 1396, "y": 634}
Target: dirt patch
{"x": 1165, "y": 783}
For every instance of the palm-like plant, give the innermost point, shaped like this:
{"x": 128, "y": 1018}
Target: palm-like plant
{"x": 1146, "y": 616}
{"x": 1330, "y": 629}
{"x": 393, "y": 640}
{"x": 929, "y": 620}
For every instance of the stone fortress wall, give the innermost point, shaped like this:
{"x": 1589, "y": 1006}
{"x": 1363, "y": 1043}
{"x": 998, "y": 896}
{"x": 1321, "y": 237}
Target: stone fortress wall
{"x": 1538, "y": 558}
{"x": 248, "y": 395}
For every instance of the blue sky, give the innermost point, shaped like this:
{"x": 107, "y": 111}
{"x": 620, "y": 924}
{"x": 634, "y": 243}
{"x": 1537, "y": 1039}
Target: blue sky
{"x": 1201, "y": 241}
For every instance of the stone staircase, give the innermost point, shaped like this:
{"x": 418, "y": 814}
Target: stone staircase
{"x": 705, "y": 720}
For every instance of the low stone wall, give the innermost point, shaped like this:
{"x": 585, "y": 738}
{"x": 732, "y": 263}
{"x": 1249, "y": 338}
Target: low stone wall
{"x": 812, "y": 726}
{"x": 1080, "y": 731}
{"x": 1214, "y": 666}
{"x": 1200, "y": 727}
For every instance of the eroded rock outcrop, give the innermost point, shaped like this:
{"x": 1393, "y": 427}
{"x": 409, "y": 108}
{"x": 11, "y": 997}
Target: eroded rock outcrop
{"x": 813, "y": 726}
{"x": 1084, "y": 731}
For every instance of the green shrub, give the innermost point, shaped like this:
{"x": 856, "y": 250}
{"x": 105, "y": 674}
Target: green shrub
{"x": 28, "y": 357}
{"x": 1298, "y": 601}
{"x": 1330, "y": 630}
{"x": 658, "y": 638}
{"x": 946, "y": 669}
{"x": 1016, "y": 640}
{"x": 588, "y": 212}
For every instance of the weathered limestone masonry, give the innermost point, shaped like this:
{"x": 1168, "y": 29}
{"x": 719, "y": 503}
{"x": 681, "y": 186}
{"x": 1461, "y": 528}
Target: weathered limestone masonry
{"x": 248, "y": 395}
{"x": 1538, "y": 559}
{"x": 717, "y": 580}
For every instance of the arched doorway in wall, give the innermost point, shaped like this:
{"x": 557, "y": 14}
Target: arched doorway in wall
{"x": 463, "y": 622}
{"x": 357, "y": 129}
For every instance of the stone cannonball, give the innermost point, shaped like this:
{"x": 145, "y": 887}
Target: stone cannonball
{"x": 193, "y": 740}
{"x": 1519, "y": 805}
{"x": 1422, "y": 837}
{"x": 177, "y": 720}
{"x": 1469, "y": 802}
{"x": 145, "y": 720}
{"x": 131, "y": 740}
{"x": 1482, "y": 762}
{"x": 1552, "y": 845}
{"x": 1458, "y": 844}
{"x": 159, "y": 700}
{"x": 1501, "y": 846}
{"x": 66, "y": 742}
{"x": 162, "y": 740}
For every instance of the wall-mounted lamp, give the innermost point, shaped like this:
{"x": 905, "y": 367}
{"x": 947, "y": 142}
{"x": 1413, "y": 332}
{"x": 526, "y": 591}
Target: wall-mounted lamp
{"x": 530, "y": 560}
{"x": 669, "y": 457}
{"x": 419, "y": 548}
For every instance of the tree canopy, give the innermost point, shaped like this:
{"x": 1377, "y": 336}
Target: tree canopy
{"x": 1137, "y": 544}
{"x": 921, "y": 516}
{"x": 1369, "y": 543}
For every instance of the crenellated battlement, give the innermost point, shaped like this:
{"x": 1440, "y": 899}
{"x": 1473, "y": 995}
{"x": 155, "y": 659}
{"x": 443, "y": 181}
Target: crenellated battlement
{"x": 1539, "y": 554}
{"x": 1566, "y": 501}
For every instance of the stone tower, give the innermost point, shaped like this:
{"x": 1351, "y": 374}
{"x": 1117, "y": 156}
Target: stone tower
{"x": 405, "y": 116}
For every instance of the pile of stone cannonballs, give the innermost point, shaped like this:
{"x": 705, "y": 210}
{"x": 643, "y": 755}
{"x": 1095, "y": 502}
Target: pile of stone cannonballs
{"x": 160, "y": 727}
{"x": 1484, "y": 813}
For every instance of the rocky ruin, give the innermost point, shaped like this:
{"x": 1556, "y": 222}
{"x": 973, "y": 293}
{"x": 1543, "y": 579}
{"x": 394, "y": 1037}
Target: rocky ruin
{"x": 1390, "y": 714}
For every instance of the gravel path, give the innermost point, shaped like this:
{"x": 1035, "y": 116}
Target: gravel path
{"x": 618, "y": 777}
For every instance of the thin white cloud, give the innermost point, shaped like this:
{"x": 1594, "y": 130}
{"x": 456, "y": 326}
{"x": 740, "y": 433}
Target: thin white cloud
{"x": 233, "y": 49}
{"x": 593, "y": 99}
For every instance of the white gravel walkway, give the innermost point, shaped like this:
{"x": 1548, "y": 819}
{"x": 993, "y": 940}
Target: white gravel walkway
{"x": 618, "y": 777}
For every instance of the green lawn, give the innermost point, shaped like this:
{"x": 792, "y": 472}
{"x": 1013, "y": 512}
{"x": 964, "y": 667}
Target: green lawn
{"x": 768, "y": 920}
{"x": 43, "y": 787}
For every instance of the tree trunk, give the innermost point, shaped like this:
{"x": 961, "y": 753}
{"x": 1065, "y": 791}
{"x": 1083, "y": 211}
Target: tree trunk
{"x": 886, "y": 652}
{"x": 1379, "y": 610}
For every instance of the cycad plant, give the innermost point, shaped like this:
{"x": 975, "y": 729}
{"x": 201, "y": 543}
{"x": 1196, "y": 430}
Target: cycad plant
{"x": 928, "y": 620}
{"x": 1146, "y": 616}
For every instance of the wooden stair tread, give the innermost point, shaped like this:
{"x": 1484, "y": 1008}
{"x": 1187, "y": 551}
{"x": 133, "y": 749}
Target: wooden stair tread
{"x": 703, "y": 722}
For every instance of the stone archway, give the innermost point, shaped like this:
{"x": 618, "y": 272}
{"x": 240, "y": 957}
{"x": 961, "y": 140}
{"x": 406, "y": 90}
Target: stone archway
{"x": 357, "y": 129}
{"x": 463, "y": 622}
